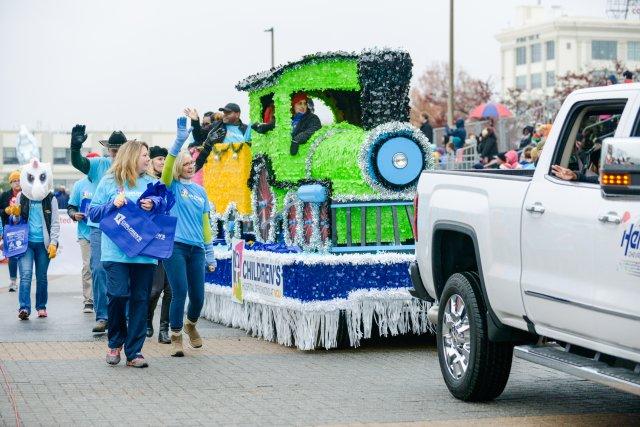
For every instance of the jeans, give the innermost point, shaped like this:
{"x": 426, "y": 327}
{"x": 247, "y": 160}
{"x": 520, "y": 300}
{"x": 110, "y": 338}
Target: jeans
{"x": 160, "y": 285}
{"x": 185, "y": 270}
{"x": 87, "y": 286}
{"x": 128, "y": 289}
{"x": 98, "y": 275}
{"x": 13, "y": 268}
{"x": 36, "y": 254}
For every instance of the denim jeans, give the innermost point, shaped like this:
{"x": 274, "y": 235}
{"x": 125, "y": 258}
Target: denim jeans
{"x": 36, "y": 254}
{"x": 13, "y": 268}
{"x": 128, "y": 289}
{"x": 98, "y": 275}
{"x": 185, "y": 270}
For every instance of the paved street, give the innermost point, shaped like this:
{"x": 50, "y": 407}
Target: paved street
{"x": 54, "y": 371}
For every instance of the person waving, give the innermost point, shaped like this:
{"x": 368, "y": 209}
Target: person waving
{"x": 186, "y": 266}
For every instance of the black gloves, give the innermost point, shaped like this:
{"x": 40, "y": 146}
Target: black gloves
{"x": 216, "y": 135}
{"x": 78, "y": 136}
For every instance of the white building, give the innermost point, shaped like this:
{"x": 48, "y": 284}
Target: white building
{"x": 542, "y": 46}
{"x": 55, "y": 149}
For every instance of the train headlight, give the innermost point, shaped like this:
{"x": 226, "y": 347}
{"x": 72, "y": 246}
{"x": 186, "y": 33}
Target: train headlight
{"x": 400, "y": 160}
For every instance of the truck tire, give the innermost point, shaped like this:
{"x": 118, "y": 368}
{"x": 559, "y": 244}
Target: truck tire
{"x": 474, "y": 368}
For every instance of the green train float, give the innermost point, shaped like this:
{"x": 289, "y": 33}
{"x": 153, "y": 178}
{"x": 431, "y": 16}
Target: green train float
{"x": 350, "y": 187}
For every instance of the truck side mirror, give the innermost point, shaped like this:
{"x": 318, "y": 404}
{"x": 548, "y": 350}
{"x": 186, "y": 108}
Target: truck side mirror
{"x": 620, "y": 167}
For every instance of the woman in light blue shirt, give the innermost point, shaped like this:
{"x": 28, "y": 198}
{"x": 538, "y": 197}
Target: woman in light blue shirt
{"x": 128, "y": 278}
{"x": 185, "y": 268}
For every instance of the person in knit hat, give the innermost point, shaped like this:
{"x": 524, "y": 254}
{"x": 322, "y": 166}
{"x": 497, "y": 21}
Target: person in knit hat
{"x": 304, "y": 123}
{"x": 8, "y": 198}
{"x": 160, "y": 283}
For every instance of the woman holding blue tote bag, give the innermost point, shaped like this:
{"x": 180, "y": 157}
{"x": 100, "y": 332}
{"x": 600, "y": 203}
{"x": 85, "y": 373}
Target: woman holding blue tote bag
{"x": 185, "y": 268}
{"x": 129, "y": 278}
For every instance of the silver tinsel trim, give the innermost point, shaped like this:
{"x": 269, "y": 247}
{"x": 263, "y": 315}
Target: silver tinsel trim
{"x": 311, "y": 325}
{"x": 372, "y": 138}
{"x": 306, "y": 258}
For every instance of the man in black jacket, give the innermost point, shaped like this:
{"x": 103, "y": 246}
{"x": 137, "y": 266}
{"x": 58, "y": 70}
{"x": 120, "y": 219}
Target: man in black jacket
{"x": 304, "y": 123}
{"x": 230, "y": 129}
{"x": 426, "y": 128}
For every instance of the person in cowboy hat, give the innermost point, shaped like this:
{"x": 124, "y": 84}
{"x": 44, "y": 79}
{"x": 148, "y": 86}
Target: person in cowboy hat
{"x": 95, "y": 168}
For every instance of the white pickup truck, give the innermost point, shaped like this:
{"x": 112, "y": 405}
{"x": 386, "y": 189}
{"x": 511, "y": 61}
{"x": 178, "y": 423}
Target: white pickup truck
{"x": 523, "y": 261}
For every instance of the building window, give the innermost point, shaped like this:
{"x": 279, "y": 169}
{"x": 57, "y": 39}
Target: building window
{"x": 550, "y": 47}
{"x": 61, "y": 156}
{"x": 521, "y": 82}
{"x": 10, "y": 156}
{"x": 633, "y": 51}
{"x": 604, "y": 49}
{"x": 521, "y": 55}
{"x": 536, "y": 52}
{"x": 551, "y": 78}
{"x": 536, "y": 81}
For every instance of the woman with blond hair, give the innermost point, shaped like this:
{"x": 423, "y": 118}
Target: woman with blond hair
{"x": 128, "y": 278}
{"x": 192, "y": 248}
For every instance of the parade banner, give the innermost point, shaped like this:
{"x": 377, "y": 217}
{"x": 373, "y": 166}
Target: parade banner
{"x": 262, "y": 275}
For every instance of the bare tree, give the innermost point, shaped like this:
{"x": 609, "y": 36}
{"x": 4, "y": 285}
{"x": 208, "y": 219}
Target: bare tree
{"x": 429, "y": 95}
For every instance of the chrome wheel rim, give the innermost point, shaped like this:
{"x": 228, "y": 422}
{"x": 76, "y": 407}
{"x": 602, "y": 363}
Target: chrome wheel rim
{"x": 456, "y": 336}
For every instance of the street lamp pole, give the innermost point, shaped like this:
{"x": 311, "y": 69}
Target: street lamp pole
{"x": 450, "y": 100}
{"x": 273, "y": 61}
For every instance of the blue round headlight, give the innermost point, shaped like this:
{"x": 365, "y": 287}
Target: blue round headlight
{"x": 399, "y": 161}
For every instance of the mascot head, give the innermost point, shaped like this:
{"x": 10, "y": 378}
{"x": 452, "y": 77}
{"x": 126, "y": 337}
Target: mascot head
{"x": 36, "y": 180}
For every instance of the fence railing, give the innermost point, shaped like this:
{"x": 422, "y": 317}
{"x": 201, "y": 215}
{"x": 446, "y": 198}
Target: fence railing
{"x": 383, "y": 240}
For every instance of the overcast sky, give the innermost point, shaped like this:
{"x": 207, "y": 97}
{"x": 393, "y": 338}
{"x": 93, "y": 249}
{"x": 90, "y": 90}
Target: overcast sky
{"x": 134, "y": 64}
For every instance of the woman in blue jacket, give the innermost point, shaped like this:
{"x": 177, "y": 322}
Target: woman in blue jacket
{"x": 185, "y": 268}
{"x": 128, "y": 278}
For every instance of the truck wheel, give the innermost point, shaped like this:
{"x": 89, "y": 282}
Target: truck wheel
{"x": 474, "y": 368}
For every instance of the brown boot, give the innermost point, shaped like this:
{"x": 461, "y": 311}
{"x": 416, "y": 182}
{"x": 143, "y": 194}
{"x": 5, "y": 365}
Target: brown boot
{"x": 176, "y": 344}
{"x": 194, "y": 336}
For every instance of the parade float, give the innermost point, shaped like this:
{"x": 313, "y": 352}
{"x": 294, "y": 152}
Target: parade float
{"x": 316, "y": 246}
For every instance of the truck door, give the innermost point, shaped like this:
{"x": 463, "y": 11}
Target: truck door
{"x": 617, "y": 268}
{"x": 560, "y": 252}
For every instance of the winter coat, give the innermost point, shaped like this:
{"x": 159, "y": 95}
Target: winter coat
{"x": 307, "y": 126}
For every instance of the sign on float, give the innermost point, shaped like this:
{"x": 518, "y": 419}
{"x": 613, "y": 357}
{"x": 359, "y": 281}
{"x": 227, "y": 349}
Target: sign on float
{"x": 254, "y": 274}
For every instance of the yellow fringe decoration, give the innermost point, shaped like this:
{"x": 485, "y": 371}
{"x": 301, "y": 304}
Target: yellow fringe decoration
{"x": 225, "y": 179}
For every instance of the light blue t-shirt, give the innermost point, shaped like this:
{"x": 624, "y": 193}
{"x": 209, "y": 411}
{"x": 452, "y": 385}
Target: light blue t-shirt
{"x": 98, "y": 167}
{"x": 234, "y": 134}
{"x": 36, "y": 222}
{"x": 105, "y": 193}
{"x": 82, "y": 190}
{"x": 191, "y": 204}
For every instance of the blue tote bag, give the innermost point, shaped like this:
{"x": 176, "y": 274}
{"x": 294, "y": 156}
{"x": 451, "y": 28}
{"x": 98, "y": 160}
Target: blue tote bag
{"x": 161, "y": 247}
{"x": 129, "y": 228}
{"x": 16, "y": 239}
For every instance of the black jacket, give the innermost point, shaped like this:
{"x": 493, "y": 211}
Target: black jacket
{"x": 208, "y": 145}
{"x": 306, "y": 127}
{"x": 489, "y": 147}
{"x": 199, "y": 132}
{"x": 5, "y": 198}
{"x": 427, "y": 130}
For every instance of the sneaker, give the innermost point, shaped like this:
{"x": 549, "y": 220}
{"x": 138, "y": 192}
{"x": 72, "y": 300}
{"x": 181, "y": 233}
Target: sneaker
{"x": 192, "y": 332}
{"x": 13, "y": 287}
{"x": 101, "y": 326}
{"x": 113, "y": 356}
{"x": 42, "y": 313}
{"x": 88, "y": 308}
{"x": 176, "y": 344}
{"x": 23, "y": 315}
{"x": 138, "y": 362}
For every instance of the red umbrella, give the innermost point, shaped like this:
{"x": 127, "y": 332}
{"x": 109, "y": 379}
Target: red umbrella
{"x": 491, "y": 109}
